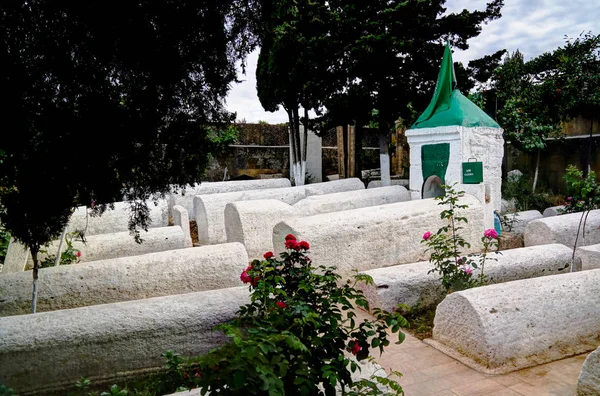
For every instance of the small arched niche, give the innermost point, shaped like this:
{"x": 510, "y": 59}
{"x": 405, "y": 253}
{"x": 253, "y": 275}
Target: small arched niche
{"x": 432, "y": 187}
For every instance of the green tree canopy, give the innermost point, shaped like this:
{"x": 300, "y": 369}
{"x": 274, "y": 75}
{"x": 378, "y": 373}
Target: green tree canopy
{"x": 101, "y": 102}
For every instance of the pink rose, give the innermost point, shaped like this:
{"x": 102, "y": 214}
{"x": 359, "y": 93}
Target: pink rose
{"x": 468, "y": 270}
{"x": 427, "y": 235}
{"x": 490, "y": 233}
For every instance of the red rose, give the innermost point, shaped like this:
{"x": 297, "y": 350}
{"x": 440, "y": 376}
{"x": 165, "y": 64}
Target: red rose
{"x": 356, "y": 348}
{"x": 78, "y": 254}
{"x": 304, "y": 245}
{"x": 290, "y": 237}
{"x": 281, "y": 304}
{"x": 244, "y": 277}
{"x": 292, "y": 244}
{"x": 254, "y": 281}
{"x": 268, "y": 255}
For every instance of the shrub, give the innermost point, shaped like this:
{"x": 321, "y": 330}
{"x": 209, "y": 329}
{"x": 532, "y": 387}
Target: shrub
{"x": 445, "y": 245}
{"x": 299, "y": 335}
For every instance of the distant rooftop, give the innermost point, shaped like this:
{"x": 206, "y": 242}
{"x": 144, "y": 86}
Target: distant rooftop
{"x": 448, "y": 106}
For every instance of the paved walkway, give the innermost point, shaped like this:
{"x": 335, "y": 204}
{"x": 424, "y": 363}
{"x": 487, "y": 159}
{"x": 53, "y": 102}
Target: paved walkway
{"x": 428, "y": 372}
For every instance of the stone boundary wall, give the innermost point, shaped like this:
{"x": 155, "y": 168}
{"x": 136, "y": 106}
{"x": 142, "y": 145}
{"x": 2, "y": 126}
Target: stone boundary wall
{"x": 51, "y": 351}
{"x": 378, "y": 236}
{"x": 413, "y": 285}
{"x": 563, "y": 229}
{"x": 186, "y": 196}
{"x": 506, "y": 327}
{"x": 126, "y": 278}
{"x": 337, "y": 202}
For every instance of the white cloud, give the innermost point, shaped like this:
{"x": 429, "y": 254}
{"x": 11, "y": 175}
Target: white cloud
{"x": 532, "y": 26}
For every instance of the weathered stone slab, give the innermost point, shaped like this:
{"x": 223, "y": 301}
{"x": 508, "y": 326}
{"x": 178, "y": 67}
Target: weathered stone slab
{"x": 501, "y": 328}
{"x": 520, "y": 220}
{"x": 413, "y": 285}
{"x": 181, "y": 218}
{"x": 351, "y": 184}
{"x": 318, "y": 204}
{"x": 589, "y": 256}
{"x": 378, "y": 236}
{"x": 508, "y": 206}
{"x": 186, "y": 196}
{"x": 563, "y": 229}
{"x": 394, "y": 182}
{"x": 554, "y": 211}
{"x": 117, "y": 219}
{"x": 126, "y": 278}
{"x": 251, "y": 223}
{"x": 110, "y": 342}
{"x": 589, "y": 379}
{"x": 15, "y": 259}
{"x": 122, "y": 244}
{"x": 210, "y": 209}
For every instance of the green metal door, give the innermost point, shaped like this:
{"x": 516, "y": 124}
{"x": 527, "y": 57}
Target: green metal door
{"x": 435, "y": 159}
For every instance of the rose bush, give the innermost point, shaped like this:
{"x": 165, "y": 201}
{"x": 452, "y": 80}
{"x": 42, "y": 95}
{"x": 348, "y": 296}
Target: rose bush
{"x": 299, "y": 335}
{"x": 445, "y": 246}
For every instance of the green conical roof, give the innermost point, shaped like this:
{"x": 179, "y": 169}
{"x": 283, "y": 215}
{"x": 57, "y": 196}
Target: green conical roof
{"x": 448, "y": 106}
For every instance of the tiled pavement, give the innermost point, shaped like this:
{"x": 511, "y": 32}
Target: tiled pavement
{"x": 428, "y": 372}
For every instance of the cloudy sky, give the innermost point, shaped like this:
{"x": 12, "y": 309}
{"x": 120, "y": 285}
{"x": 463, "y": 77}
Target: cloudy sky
{"x": 532, "y": 26}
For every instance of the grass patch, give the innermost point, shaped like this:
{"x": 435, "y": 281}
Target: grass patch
{"x": 420, "y": 322}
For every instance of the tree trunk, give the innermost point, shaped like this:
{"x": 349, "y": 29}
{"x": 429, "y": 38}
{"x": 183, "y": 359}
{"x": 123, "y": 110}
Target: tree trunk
{"x": 60, "y": 246}
{"x": 358, "y": 135}
{"x": 298, "y": 176}
{"x": 305, "y": 144}
{"x": 589, "y": 153}
{"x": 292, "y": 145}
{"x": 34, "y": 256}
{"x": 384, "y": 155}
{"x": 537, "y": 169}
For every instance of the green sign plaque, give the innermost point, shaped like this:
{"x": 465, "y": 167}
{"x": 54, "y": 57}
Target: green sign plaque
{"x": 472, "y": 172}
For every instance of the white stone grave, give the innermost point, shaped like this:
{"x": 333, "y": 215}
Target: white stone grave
{"x": 337, "y": 202}
{"x": 127, "y": 278}
{"x": 378, "y": 236}
{"x": 563, "y": 229}
{"x": 185, "y": 197}
{"x": 181, "y": 218}
{"x": 413, "y": 285}
{"x": 589, "y": 256}
{"x": 510, "y": 326}
{"x": 50, "y": 351}
{"x": 251, "y": 223}
{"x": 589, "y": 379}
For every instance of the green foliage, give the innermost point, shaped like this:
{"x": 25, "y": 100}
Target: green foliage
{"x": 519, "y": 189}
{"x": 534, "y": 97}
{"x": 222, "y": 138}
{"x": 290, "y": 339}
{"x": 6, "y": 391}
{"x": 583, "y": 191}
{"x": 445, "y": 245}
{"x": 4, "y": 241}
{"x": 121, "y": 108}
{"x": 69, "y": 255}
